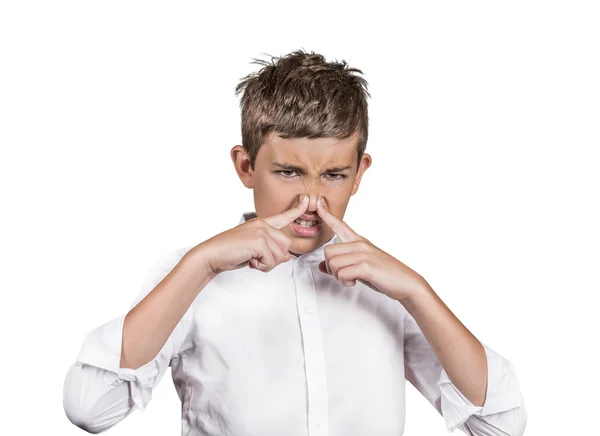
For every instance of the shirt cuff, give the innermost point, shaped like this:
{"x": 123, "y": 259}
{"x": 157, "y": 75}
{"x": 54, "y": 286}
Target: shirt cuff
{"x": 503, "y": 392}
{"x": 102, "y": 349}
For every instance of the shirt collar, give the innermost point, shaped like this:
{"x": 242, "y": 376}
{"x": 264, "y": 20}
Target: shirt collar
{"x": 317, "y": 255}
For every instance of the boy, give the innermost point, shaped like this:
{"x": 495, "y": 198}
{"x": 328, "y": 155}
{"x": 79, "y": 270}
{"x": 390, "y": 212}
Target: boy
{"x": 291, "y": 323}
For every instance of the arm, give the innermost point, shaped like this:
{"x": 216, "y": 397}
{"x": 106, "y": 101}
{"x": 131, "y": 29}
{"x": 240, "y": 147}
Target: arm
{"x": 150, "y": 323}
{"x": 122, "y": 361}
{"x": 91, "y": 402}
{"x": 472, "y": 387}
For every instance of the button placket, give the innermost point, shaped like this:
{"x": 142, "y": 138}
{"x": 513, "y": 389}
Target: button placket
{"x": 312, "y": 341}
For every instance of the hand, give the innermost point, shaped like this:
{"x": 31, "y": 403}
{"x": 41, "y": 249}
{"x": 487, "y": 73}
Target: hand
{"x": 258, "y": 243}
{"x": 356, "y": 258}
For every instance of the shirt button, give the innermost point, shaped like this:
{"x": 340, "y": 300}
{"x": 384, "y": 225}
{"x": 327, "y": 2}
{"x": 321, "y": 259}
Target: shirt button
{"x": 310, "y": 310}
{"x": 318, "y": 425}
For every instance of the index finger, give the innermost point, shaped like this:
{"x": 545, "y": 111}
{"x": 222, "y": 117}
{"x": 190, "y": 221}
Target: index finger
{"x": 283, "y": 219}
{"x": 338, "y": 226}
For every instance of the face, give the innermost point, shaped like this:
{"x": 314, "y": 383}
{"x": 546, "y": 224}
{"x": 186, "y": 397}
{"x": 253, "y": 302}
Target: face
{"x": 287, "y": 168}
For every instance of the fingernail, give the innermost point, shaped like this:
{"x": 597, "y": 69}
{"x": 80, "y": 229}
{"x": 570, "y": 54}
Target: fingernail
{"x": 304, "y": 199}
{"x": 321, "y": 201}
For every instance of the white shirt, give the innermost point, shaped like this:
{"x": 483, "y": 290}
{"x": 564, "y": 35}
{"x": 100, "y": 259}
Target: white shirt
{"x": 289, "y": 352}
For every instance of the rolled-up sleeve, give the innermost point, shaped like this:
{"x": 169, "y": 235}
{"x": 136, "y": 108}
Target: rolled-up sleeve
{"x": 97, "y": 392}
{"x": 503, "y": 412}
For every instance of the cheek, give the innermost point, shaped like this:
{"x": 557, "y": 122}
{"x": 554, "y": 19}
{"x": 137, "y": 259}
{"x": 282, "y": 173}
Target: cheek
{"x": 273, "y": 196}
{"x": 337, "y": 204}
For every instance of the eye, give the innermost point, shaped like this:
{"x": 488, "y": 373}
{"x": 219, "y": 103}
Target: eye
{"x": 285, "y": 171}
{"x": 341, "y": 176}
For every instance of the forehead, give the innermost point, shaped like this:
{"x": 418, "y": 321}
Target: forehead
{"x": 310, "y": 152}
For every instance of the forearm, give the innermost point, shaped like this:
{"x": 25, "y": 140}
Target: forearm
{"x": 150, "y": 323}
{"x": 460, "y": 353}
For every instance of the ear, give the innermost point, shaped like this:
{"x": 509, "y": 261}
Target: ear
{"x": 241, "y": 163}
{"x": 365, "y": 163}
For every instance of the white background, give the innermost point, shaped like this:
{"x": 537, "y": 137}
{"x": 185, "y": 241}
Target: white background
{"x": 116, "y": 122}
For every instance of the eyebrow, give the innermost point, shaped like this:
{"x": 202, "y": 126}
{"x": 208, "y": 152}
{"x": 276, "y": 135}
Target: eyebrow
{"x": 300, "y": 170}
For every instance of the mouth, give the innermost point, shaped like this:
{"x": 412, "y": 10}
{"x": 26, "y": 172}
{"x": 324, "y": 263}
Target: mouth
{"x": 309, "y": 218}
{"x": 307, "y": 223}
{"x": 305, "y": 228}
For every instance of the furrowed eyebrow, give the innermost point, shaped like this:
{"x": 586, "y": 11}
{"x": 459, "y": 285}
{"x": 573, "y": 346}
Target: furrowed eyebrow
{"x": 289, "y": 167}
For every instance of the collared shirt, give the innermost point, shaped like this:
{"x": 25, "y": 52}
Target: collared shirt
{"x": 289, "y": 352}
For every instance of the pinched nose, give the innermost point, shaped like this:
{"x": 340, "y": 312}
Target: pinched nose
{"x": 311, "y": 211}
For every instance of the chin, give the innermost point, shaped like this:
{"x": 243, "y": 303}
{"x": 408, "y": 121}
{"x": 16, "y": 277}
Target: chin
{"x": 305, "y": 245}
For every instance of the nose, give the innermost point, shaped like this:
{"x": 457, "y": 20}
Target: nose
{"x": 312, "y": 203}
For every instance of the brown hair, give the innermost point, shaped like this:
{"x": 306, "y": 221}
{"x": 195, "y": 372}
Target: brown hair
{"x": 301, "y": 95}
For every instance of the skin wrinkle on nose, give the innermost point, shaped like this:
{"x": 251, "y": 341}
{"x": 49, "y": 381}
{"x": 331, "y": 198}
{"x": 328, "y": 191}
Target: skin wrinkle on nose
{"x": 306, "y": 182}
